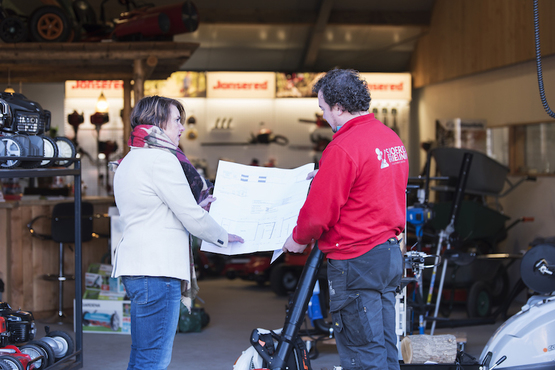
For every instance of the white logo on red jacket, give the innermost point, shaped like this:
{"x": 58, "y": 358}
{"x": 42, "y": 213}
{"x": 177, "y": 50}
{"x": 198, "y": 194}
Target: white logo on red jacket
{"x": 381, "y": 157}
{"x": 393, "y": 155}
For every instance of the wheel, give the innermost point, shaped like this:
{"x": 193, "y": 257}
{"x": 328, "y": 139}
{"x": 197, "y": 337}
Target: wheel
{"x": 50, "y": 24}
{"x": 4, "y": 365}
{"x": 85, "y": 322}
{"x": 49, "y": 359}
{"x": 13, "y": 30}
{"x": 66, "y": 149}
{"x": 479, "y": 301}
{"x": 12, "y": 149}
{"x": 34, "y": 350}
{"x": 190, "y": 16}
{"x": 12, "y": 362}
{"x": 50, "y": 150}
{"x": 283, "y": 279}
{"x": 114, "y": 322}
{"x": 33, "y": 147}
{"x": 63, "y": 346}
{"x": 500, "y": 286}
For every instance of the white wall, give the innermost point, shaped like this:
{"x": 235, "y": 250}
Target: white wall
{"x": 280, "y": 115}
{"x": 505, "y": 96}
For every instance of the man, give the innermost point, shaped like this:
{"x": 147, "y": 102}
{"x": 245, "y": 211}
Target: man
{"x": 356, "y": 210}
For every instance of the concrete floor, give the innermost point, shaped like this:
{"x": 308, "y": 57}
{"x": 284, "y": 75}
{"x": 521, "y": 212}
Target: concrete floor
{"x": 235, "y": 307}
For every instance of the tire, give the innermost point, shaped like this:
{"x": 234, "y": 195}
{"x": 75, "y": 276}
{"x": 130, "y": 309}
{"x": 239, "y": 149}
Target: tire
{"x": 34, "y": 350}
{"x": 283, "y": 279}
{"x": 114, "y": 322}
{"x": 66, "y": 149}
{"x": 50, "y": 24}
{"x": 50, "y": 150}
{"x": 85, "y": 322}
{"x": 13, "y": 30}
{"x": 479, "y": 301}
{"x": 12, "y": 363}
{"x": 4, "y": 365}
{"x": 65, "y": 344}
{"x": 50, "y": 359}
{"x": 12, "y": 148}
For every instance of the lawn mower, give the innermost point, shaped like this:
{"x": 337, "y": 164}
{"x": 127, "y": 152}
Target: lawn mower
{"x": 102, "y": 319}
{"x": 15, "y": 326}
{"x": 18, "y": 345}
{"x": 255, "y": 267}
{"x": 13, "y": 358}
{"x": 286, "y": 273}
{"x": 23, "y": 124}
{"x": 67, "y": 21}
{"x": 466, "y": 233}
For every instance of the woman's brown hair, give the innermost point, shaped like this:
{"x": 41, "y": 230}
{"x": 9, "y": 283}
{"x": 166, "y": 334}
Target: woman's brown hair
{"x": 154, "y": 111}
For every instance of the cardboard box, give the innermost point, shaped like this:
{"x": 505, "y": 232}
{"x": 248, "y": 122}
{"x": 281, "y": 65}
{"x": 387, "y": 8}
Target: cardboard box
{"x": 116, "y": 285}
{"x": 96, "y": 281}
{"x": 98, "y": 276}
{"x": 100, "y": 269}
{"x": 106, "y": 316}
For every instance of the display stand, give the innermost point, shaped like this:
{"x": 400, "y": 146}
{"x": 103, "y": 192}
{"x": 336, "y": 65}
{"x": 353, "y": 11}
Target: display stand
{"x": 74, "y": 360}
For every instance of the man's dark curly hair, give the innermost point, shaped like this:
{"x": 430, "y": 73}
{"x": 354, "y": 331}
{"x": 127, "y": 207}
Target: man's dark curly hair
{"x": 346, "y": 88}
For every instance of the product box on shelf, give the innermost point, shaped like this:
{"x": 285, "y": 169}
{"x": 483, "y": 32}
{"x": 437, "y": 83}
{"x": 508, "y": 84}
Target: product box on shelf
{"x": 99, "y": 284}
{"x": 106, "y": 316}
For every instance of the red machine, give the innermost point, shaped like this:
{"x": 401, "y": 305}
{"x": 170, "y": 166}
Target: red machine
{"x": 158, "y": 22}
{"x": 17, "y": 360}
{"x": 66, "y": 21}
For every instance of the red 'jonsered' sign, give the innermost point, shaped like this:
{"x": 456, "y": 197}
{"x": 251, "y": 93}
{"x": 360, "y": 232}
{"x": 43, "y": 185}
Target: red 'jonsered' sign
{"x": 97, "y": 84}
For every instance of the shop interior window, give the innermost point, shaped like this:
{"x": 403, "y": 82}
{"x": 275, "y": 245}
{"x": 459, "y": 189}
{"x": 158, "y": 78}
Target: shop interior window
{"x": 498, "y": 144}
{"x": 524, "y": 148}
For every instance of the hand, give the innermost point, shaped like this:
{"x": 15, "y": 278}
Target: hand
{"x": 205, "y": 204}
{"x": 231, "y": 238}
{"x": 292, "y": 246}
{"x": 311, "y": 175}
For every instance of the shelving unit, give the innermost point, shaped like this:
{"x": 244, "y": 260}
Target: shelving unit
{"x": 75, "y": 360}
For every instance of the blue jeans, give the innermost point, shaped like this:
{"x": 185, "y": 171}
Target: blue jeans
{"x": 155, "y": 303}
{"x": 362, "y": 306}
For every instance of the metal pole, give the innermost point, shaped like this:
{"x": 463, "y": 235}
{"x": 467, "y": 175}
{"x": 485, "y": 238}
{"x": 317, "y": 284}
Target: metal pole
{"x": 78, "y": 258}
{"x": 61, "y": 279}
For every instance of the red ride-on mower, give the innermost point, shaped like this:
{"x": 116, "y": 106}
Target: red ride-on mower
{"x": 256, "y": 267}
{"x": 67, "y": 21}
{"x": 285, "y": 275}
{"x": 14, "y": 359}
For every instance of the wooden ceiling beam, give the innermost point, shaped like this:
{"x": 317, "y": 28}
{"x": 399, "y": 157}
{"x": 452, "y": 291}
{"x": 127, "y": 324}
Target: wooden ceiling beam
{"x": 56, "y": 62}
{"x": 317, "y": 35}
{"x": 337, "y": 17}
{"x": 24, "y": 52}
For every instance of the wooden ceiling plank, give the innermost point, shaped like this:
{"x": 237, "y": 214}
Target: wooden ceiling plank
{"x": 317, "y": 34}
{"x": 337, "y": 17}
{"x": 57, "y": 62}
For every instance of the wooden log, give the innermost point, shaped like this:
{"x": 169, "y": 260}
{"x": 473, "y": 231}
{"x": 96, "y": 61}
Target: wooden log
{"x": 418, "y": 349}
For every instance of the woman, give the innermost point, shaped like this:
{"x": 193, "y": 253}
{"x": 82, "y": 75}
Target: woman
{"x": 160, "y": 197}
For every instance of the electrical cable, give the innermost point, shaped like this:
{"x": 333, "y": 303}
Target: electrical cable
{"x": 539, "y": 61}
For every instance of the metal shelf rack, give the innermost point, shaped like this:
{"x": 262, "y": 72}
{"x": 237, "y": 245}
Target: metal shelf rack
{"x": 75, "y": 360}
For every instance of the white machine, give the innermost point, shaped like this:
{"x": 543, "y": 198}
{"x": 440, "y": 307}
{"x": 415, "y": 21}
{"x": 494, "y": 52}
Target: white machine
{"x": 527, "y": 340}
